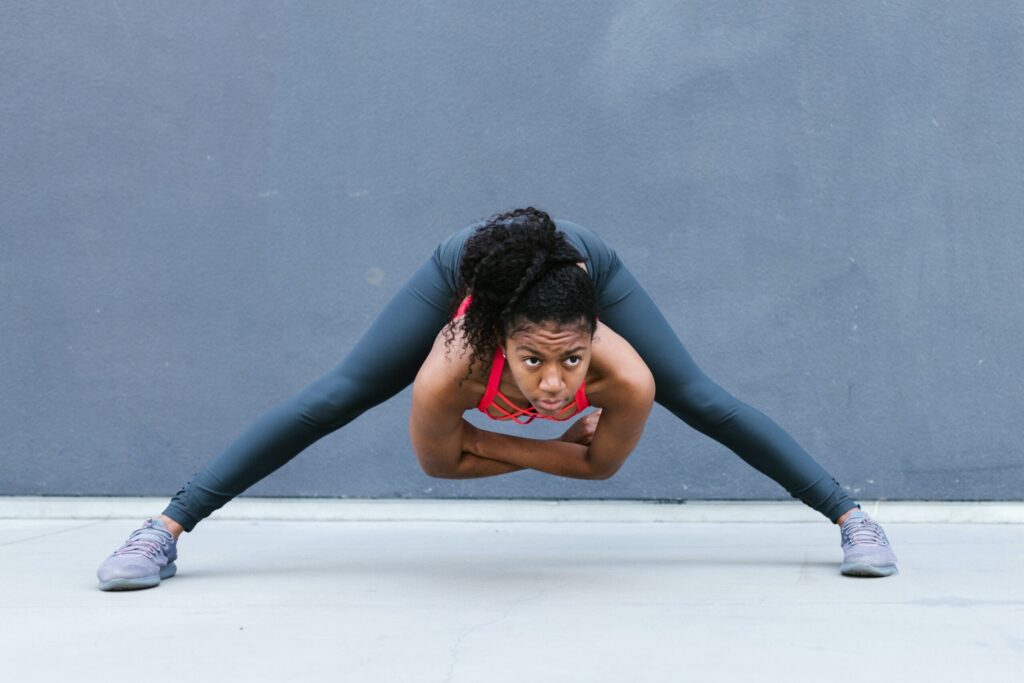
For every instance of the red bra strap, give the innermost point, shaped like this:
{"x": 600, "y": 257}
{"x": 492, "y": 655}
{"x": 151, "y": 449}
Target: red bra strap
{"x": 463, "y": 307}
{"x": 581, "y": 398}
{"x": 493, "y": 380}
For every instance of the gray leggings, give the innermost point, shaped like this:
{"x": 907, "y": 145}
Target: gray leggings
{"x": 388, "y": 356}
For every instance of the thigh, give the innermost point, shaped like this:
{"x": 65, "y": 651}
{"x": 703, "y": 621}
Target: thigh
{"x": 389, "y": 354}
{"x": 628, "y": 309}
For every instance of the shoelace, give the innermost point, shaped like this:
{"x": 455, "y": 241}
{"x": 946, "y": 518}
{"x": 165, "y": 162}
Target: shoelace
{"x": 863, "y": 530}
{"x": 146, "y": 542}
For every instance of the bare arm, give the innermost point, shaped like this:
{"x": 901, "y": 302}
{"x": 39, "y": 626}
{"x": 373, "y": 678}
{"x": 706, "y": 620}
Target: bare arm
{"x": 436, "y": 426}
{"x": 596, "y": 445}
{"x": 562, "y": 458}
{"x": 448, "y": 446}
{"x": 590, "y": 453}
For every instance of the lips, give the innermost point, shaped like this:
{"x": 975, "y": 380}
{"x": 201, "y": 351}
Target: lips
{"x": 549, "y": 405}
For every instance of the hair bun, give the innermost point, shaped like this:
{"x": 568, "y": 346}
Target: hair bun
{"x": 504, "y": 262}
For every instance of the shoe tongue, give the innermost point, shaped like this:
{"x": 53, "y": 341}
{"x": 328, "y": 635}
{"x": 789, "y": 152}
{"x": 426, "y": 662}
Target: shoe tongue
{"x": 857, "y": 520}
{"x": 154, "y": 523}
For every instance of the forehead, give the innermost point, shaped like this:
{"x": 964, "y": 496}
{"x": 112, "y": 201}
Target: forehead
{"x": 550, "y": 337}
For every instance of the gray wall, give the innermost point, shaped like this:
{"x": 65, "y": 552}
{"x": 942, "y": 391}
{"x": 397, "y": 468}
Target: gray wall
{"x": 205, "y": 203}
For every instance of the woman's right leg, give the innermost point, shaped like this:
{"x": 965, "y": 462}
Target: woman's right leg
{"x": 383, "y": 362}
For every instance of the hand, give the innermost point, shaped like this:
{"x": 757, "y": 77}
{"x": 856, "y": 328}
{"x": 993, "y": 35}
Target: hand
{"x": 582, "y": 431}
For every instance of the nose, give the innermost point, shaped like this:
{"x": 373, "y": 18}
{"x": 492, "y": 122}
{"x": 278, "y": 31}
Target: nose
{"x": 551, "y": 381}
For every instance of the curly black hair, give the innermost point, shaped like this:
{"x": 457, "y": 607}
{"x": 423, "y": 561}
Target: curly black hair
{"x": 520, "y": 270}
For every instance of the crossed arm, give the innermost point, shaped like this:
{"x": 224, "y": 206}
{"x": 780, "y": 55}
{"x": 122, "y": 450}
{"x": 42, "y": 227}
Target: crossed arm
{"x": 594, "y": 447}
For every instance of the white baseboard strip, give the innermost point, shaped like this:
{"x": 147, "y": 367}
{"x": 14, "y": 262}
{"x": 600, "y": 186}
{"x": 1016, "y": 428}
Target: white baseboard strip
{"x": 503, "y": 511}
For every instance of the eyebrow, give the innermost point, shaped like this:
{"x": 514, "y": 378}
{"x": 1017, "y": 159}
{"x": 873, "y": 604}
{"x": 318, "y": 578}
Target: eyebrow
{"x": 535, "y": 352}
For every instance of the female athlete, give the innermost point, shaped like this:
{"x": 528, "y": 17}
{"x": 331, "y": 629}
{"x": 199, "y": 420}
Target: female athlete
{"x": 523, "y": 318}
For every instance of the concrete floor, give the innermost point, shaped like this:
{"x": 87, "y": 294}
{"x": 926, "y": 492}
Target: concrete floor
{"x": 517, "y": 602}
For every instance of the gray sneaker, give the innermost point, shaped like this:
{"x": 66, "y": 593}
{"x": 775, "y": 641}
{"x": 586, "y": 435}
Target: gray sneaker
{"x": 866, "y": 550}
{"x": 146, "y": 557}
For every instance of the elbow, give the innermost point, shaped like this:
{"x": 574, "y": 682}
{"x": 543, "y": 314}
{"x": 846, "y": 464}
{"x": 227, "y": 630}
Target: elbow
{"x": 437, "y": 468}
{"x": 601, "y": 472}
{"x": 441, "y": 473}
{"x": 435, "y": 462}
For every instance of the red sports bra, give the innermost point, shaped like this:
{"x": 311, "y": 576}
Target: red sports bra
{"x": 510, "y": 411}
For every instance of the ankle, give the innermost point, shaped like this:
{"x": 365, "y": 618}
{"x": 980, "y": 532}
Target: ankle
{"x": 846, "y": 515}
{"x": 171, "y": 525}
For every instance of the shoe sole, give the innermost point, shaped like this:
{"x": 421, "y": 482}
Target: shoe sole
{"x": 868, "y": 570}
{"x": 139, "y": 582}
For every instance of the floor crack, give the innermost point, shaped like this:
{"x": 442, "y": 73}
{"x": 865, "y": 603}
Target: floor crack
{"x": 53, "y": 533}
{"x": 454, "y": 651}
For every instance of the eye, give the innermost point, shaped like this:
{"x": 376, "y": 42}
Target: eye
{"x": 573, "y": 361}
{"x": 532, "y": 362}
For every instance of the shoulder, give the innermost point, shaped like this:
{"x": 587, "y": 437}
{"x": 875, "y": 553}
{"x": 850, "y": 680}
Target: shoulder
{"x": 620, "y": 374}
{"x": 446, "y": 376}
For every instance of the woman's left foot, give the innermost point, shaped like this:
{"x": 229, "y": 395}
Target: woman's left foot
{"x": 866, "y": 550}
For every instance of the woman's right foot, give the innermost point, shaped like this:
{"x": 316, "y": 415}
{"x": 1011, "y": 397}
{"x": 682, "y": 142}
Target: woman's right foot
{"x": 142, "y": 561}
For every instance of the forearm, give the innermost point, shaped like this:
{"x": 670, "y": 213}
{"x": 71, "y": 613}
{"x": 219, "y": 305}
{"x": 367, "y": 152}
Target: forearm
{"x": 471, "y": 466}
{"x": 560, "y": 458}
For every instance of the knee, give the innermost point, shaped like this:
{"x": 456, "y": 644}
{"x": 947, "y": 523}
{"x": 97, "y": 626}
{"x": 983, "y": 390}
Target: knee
{"x": 333, "y": 400}
{"x": 702, "y": 404}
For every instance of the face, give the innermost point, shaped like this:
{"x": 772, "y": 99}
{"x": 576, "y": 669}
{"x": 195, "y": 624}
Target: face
{"x": 548, "y": 363}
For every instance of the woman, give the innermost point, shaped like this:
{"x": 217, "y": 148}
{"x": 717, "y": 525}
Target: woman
{"x": 504, "y": 318}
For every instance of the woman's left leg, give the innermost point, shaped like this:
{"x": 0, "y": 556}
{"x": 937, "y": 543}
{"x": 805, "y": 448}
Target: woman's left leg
{"x": 685, "y": 390}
